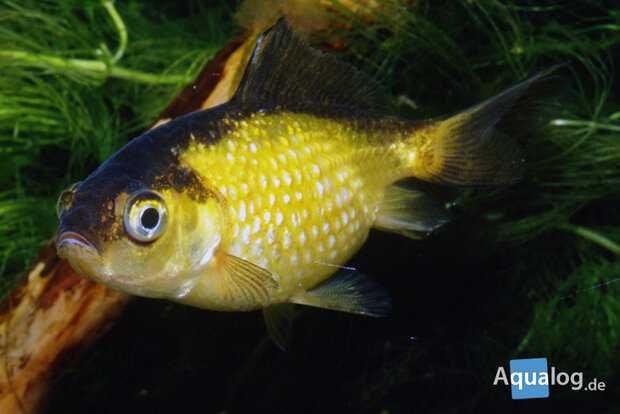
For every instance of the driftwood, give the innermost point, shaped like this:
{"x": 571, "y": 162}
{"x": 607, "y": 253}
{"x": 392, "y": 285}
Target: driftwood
{"x": 52, "y": 315}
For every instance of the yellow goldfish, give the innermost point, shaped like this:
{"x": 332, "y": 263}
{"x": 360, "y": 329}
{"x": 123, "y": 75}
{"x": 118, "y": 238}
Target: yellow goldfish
{"x": 255, "y": 204}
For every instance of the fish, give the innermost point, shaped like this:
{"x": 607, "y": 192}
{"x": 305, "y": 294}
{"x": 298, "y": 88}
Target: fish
{"x": 260, "y": 202}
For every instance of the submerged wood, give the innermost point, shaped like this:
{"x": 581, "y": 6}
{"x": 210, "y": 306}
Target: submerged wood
{"x": 52, "y": 315}
{"x": 48, "y": 318}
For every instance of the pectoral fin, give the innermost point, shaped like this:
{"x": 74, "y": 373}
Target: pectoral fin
{"x": 246, "y": 283}
{"x": 279, "y": 319}
{"x": 409, "y": 212}
{"x": 348, "y": 292}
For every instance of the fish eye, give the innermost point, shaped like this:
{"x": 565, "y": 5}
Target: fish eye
{"x": 145, "y": 216}
{"x": 60, "y": 205}
{"x": 65, "y": 198}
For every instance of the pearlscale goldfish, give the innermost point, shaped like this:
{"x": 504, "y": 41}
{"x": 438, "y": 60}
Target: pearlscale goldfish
{"x": 255, "y": 203}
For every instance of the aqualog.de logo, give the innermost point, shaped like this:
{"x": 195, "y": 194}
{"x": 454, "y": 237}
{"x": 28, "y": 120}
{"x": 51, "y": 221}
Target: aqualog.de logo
{"x": 530, "y": 378}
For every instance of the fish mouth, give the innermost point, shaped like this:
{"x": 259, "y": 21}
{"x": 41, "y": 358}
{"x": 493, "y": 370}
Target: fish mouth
{"x": 68, "y": 240}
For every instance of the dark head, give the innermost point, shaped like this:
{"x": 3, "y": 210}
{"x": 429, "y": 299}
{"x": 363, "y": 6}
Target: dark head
{"x": 141, "y": 223}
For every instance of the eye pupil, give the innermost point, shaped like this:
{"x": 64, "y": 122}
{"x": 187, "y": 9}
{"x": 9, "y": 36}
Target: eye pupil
{"x": 149, "y": 218}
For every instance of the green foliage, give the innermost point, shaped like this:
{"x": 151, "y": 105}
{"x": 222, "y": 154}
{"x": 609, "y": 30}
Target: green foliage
{"x": 584, "y": 305}
{"x": 78, "y": 79}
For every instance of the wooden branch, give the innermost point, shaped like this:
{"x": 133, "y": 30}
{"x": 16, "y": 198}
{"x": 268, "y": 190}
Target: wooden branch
{"x": 52, "y": 315}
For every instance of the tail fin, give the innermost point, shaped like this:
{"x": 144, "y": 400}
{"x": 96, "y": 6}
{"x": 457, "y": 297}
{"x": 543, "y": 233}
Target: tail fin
{"x": 473, "y": 147}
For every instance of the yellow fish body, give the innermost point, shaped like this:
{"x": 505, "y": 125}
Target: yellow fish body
{"x": 258, "y": 202}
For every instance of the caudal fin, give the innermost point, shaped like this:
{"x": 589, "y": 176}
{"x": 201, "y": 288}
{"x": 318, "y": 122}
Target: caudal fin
{"x": 475, "y": 147}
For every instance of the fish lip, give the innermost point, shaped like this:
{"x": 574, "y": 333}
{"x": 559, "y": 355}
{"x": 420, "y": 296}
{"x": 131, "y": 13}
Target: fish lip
{"x": 67, "y": 239}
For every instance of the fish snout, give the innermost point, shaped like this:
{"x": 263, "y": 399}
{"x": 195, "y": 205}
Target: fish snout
{"x": 74, "y": 231}
{"x": 67, "y": 240}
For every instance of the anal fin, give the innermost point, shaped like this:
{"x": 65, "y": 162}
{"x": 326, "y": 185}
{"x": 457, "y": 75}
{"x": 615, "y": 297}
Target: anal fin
{"x": 409, "y": 212}
{"x": 348, "y": 291}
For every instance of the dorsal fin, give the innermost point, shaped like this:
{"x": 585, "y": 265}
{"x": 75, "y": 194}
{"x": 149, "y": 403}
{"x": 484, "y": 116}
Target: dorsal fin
{"x": 284, "y": 71}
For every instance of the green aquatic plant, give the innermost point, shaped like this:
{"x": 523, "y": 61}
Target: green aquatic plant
{"x": 77, "y": 81}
